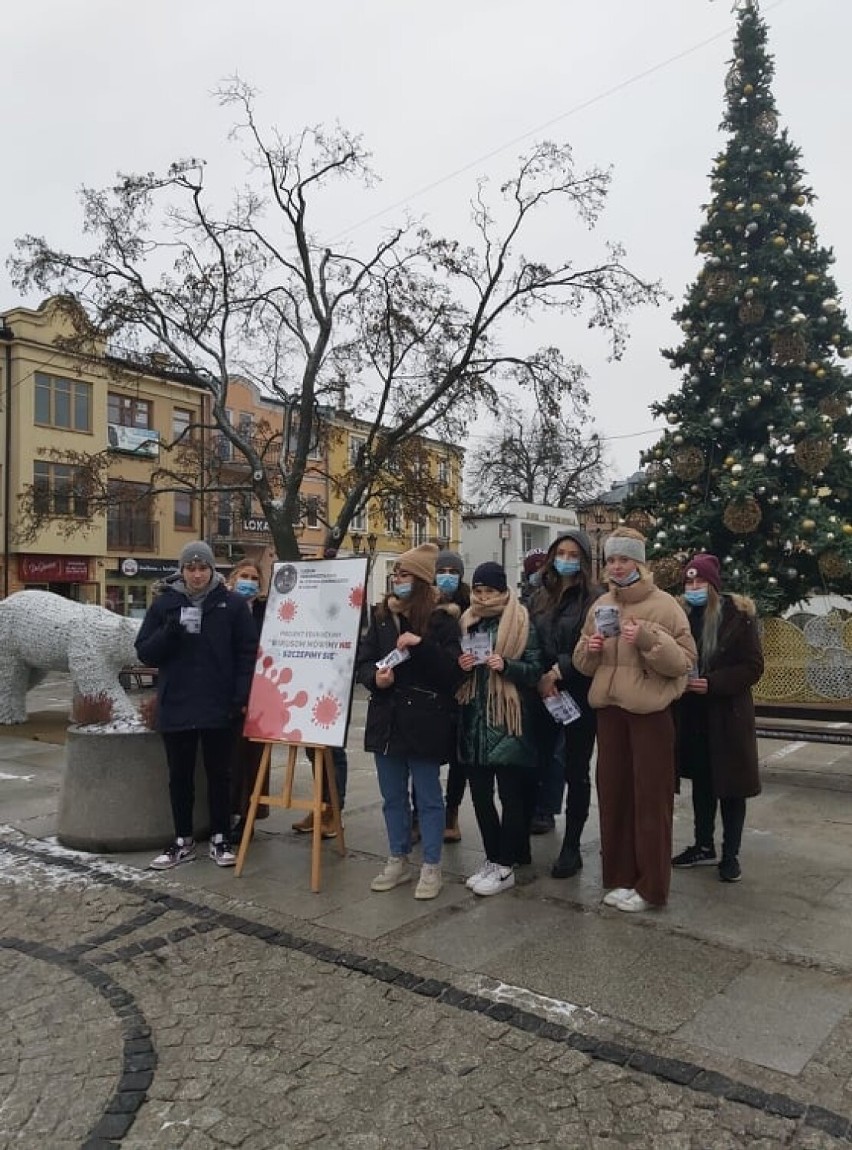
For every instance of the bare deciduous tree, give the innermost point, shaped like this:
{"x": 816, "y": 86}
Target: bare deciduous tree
{"x": 413, "y": 332}
{"x": 554, "y": 460}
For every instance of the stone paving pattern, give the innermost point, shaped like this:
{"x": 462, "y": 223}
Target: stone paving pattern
{"x": 194, "y": 1009}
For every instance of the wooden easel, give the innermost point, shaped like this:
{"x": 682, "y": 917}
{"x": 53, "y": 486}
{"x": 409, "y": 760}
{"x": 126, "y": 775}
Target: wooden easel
{"x": 286, "y": 801}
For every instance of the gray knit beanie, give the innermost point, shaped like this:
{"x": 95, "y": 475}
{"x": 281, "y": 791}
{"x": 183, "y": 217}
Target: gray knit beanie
{"x": 450, "y": 559}
{"x": 198, "y": 552}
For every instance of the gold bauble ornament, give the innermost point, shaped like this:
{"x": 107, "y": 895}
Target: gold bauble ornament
{"x": 748, "y": 89}
{"x": 808, "y": 524}
{"x": 801, "y": 200}
{"x": 847, "y": 528}
{"x": 729, "y": 461}
{"x": 682, "y": 508}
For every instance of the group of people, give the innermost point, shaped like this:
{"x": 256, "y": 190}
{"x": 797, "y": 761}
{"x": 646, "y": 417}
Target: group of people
{"x": 515, "y": 691}
{"x": 512, "y": 691}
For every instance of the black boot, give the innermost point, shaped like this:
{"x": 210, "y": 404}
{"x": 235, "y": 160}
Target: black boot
{"x": 570, "y": 861}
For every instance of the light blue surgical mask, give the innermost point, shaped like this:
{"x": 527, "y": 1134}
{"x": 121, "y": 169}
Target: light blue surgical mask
{"x": 402, "y": 590}
{"x": 447, "y": 582}
{"x": 246, "y": 587}
{"x": 697, "y": 598}
{"x": 566, "y": 566}
{"x": 633, "y": 577}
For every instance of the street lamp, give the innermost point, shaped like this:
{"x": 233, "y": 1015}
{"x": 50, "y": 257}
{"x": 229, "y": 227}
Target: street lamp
{"x": 600, "y": 517}
{"x": 358, "y": 539}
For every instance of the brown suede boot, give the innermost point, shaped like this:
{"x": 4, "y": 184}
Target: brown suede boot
{"x": 452, "y": 834}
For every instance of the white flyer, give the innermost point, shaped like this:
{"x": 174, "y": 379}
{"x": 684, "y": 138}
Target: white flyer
{"x": 562, "y": 707}
{"x": 478, "y": 644}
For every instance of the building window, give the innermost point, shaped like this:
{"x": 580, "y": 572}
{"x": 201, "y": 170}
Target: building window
{"x": 184, "y": 510}
{"x": 128, "y": 411}
{"x": 182, "y": 423}
{"x": 356, "y": 442}
{"x": 245, "y": 424}
{"x": 420, "y": 531}
{"x": 224, "y": 516}
{"x": 57, "y": 490}
{"x": 393, "y": 519}
{"x": 223, "y": 446}
{"x": 130, "y": 523}
{"x": 312, "y": 511}
{"x": 444, "y": 526}
{"x": 443, "y": 472}
{"x": 359, "y": 521}
{"x": 65, "y": 403}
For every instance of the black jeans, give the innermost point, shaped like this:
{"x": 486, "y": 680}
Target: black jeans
{"x": 704, "y": 805}
{"x": 579, "y": 745}
{"x": 456, "y": 781}
{"x": 505, "y": 835}
{"x": 181, "y": 752}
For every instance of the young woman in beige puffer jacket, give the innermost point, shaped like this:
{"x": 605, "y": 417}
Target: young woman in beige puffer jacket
{"x": 636, "y": 675}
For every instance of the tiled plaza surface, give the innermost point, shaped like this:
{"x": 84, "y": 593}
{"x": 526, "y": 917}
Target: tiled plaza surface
{"x": 199, "y": 1009}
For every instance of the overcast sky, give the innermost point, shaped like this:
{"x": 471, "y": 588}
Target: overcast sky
{"x": 442, "y": 92}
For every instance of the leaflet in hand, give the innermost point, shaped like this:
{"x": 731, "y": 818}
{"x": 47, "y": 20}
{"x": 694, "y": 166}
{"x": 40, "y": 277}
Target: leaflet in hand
{"x": 478, "y": 644}
{"x": 393, "y": 659}
{"x": 562, "y": 707}
{"x": 607, "y": 621}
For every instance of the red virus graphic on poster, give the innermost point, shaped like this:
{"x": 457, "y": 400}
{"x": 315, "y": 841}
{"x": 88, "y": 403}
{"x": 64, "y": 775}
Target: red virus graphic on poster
{"x": 356, "y": 597}
{"x": 326, "y": 711}
{"x": 271, "y": 707}
{"x": 287, "y": 611}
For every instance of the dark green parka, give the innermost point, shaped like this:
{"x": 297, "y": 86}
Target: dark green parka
{"x": 481, "y": 743}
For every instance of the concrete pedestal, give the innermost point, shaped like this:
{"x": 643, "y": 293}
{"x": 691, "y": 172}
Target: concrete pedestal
{"x": 115, "y": 793}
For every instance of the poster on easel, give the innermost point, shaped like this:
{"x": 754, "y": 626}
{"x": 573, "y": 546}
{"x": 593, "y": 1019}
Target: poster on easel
{"x": 306, "y": 659}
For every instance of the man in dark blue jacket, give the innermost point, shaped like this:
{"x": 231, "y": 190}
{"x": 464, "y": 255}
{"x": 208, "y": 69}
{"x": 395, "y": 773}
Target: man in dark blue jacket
{"x": 202, "y": 638}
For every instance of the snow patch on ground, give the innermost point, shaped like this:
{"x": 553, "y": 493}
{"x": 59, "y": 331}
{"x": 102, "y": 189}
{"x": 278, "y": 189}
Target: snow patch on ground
{"x": 38, "y": 872}
{"x": 554, "y": 1009}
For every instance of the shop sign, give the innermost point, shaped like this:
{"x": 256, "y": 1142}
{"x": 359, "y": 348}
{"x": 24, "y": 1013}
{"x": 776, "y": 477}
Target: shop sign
{"x": 255, "y": 526}
{"x": 132, "y": 568}
{"x": 52, "y": 569}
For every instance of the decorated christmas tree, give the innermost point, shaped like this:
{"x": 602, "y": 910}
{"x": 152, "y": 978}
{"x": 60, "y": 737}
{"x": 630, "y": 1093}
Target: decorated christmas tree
{"x": 755, "y": 465}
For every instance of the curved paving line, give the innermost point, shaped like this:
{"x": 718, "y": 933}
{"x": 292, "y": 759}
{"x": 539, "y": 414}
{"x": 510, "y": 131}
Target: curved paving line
{"x": 139, "y": 1059}
{"x": 678, "y": 1071}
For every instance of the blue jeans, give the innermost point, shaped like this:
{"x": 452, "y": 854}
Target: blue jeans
{"x": 394, "y": 772}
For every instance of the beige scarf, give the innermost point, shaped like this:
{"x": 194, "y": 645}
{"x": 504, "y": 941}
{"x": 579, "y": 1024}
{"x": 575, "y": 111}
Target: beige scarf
{"x": 504, "y": 703}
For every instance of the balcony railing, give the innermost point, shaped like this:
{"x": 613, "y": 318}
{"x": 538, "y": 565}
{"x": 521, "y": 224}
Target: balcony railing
{"x": 132, "y": 535}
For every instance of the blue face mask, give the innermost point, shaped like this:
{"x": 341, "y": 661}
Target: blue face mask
{"x": 246, "y": 587}
{"x": 633, "y": 577}
{"x": 402, "y": 590}
{"x": 566, "y": 566}
{"x": 696, "y": 598}
{"x": 447, "y": 583}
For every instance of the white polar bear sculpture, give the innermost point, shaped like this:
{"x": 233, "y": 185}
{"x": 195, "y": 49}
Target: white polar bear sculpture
{"x": 41, "y": 632}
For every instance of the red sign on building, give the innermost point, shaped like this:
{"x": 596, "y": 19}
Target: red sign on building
{"x": 52, "y": 569}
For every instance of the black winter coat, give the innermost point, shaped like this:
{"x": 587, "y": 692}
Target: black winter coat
{"x": 717, "y": 729}
{"x": 487, "y": 745}
{"x": 204, "y": 679}
{"x": 416, "y": 716}
{"x": 558, "y": 634}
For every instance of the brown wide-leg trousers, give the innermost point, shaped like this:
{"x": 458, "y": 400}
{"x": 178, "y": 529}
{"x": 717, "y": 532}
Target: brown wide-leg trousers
{"x": 636, "y": 782}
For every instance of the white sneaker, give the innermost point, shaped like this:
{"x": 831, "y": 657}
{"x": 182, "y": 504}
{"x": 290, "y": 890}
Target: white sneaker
{"x": 221, "y": 851}
{"x": 633, "y": 903}
{"x": 396, "y": 872}
{"x": 486, "y": 868}
{"x": 617, "y": 896}
{"x": 500, "y": 878}
{"x": 180, "y": 851}
{"x": 430, "y": 882}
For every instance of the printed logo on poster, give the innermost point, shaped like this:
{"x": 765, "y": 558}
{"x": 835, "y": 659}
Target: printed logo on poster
{"x": 306, "y": 659}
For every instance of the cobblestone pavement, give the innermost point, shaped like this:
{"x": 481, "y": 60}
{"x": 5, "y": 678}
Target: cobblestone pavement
{"x": 138, "y": 1014}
